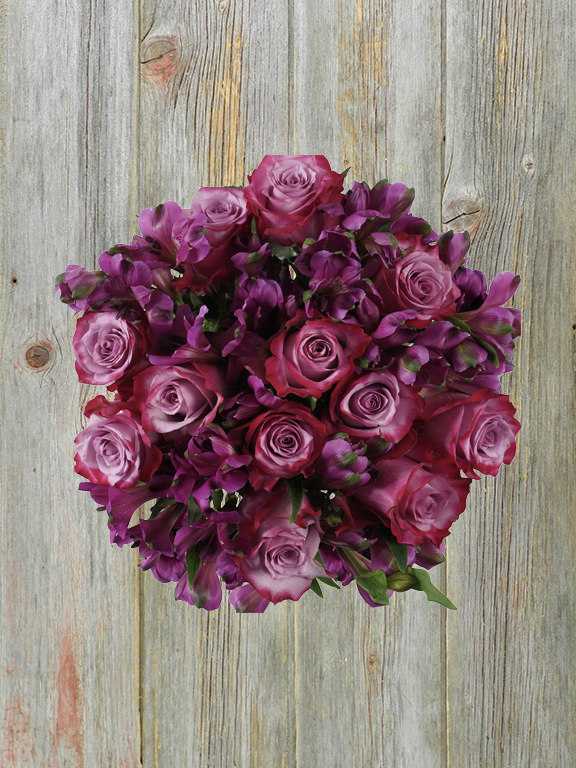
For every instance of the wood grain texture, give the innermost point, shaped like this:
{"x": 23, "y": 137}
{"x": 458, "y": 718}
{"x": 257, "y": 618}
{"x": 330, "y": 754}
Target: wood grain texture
{"x": 371, "y": 692}
{"x": 510, "y": 175}
{"x": 68, "y": 639}
{"x": 218, "y": 689}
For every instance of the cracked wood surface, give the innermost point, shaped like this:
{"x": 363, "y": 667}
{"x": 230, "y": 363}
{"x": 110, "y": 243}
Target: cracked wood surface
{"x": 108, "y": 108}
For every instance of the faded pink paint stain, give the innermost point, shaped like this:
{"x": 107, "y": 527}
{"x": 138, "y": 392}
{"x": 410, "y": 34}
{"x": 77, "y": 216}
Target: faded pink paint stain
{"x": 68, "y": 723}
{"x": 17, "y": 745}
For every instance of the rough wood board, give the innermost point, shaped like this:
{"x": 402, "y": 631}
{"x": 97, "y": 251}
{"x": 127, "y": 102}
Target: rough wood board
{"x": 218, "y": 689}
{"x": 370, "y": 682}
{"x": 69, "y": 640}
{"x": 510, "y": 170}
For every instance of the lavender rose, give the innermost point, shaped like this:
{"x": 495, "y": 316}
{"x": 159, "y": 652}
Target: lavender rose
{"x": 418, "y": 503}
{"x": 310, "y": 356}
{"x": 287, "y": 192}
{"x": 419, "y": 281}
{"x": 176, "y": 400}
{"x": 105, "y": 347}
{"x": 285, "y": 442}
{"x": 114, "y": 449}
{"x": 375, "y": 405}
{"x": 477, "y": 432}
{"x": 226, "y": 212}
{"x": 280, "y": 564}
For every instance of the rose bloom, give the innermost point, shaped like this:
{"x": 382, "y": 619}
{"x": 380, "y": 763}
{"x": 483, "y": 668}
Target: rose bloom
{"x": 419, "y": 504}
{"x": 310, "y": 356}
{"x": 280, "y": 565}
{"x": 375, "y": 405}
{"x": 176, "y": 400}
{"x": 478, "y": 431}
{"x": 285, "y": 442}
{"x": 420, "y": 281}
{"x": 285, "y": 192}
{"x": 226, "y": 213}
{"x": 105, "y": 347}
{"x": 114, "y": 450}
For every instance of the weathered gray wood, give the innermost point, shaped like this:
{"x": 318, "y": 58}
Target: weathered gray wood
{"x": 509, "y": 168}
{"x": 69, "y": 621}
{"x": 218, "y": 689}
{"x": 370, "y": 682}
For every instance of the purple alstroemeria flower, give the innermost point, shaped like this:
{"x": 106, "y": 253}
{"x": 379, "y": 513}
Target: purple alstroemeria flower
{"x": 206, "y": 590}
{"x": 341, "y": 466}
{"x": 369, "y": 209}
{"x": 254, "y": 302}
{"x": 79, "y": 288}
{"x": 119, "y": 503}
{"x": 333, "y": 266}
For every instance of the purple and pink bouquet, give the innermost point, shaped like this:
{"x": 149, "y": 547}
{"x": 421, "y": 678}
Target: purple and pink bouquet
{"x": 305, "y": 383}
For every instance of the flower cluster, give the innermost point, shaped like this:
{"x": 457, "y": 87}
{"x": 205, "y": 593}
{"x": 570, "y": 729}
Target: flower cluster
{"x": 304, "y": 382}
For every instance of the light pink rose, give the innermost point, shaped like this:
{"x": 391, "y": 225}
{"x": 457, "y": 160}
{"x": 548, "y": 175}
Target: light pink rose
{"x": 176, "y": 400}
{"x": 375, "y": 404}
{"x": 478, "y": 431}
{"x": 226, "y": 212}
{"x": 417, "y": 502}
{"x": 280, "y": 565}
{"x": 105, "y": 347}
{"x": 310, "y": 356}
{"x": 114, "y": 450}
{"x": 287, "y": 194}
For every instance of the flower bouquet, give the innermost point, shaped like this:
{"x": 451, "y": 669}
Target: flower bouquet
{"x": 304, "y": 382}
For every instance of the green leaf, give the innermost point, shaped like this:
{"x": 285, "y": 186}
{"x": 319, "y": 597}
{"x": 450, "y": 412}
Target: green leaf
{"x": 159, "y": 506}
{"x": 284, "y": 252}
{"x": 400, "y": 551}
{"x": 329, "y": 582}
{"x": 315, "y": 587}
{"x": 375, "y": 584}
{"x": 311, "y": 402}
{"x": 192, "y": 565}
{"x": 318, "y": 558}
{"x": 217, "y": 498}
{"x": 425, "y": 585}
{"x": 460, "y": 324}
{"x": 296, "y": 489}
{"x": 194, "y": 511}
{"x": 209, "y": 325}
{"x": 345, "y": 173}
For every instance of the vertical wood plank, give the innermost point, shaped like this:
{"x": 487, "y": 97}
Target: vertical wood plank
{"x": 510, "y": 177}
{"x": 218, "y": 689}
{"x": 370, "y": 682}
{"x": 69, "y": 640}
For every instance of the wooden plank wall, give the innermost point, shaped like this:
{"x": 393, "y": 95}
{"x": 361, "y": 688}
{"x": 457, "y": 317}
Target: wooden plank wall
{"x": 106, "y": 108}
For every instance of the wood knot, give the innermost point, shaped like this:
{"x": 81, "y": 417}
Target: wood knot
{"x": 372, "y": 662}
{"x": 463, "y": 213}
{"x": 160, "y": 59}
{"x": 37, "y": 355}
{"x": 529, "y": 165}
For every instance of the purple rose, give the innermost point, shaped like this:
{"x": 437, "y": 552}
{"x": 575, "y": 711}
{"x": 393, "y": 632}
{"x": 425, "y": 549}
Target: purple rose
{"x": 225, "y": 210}
{"x": 105, "y": 347}
{"x": 285, "y": 442}
{"x": 287, "y": 192}
{"x": 176, "y": 400}
{"x": 280, "y": 564}
{"x": 114, "y": 449}
{"x": 375, "y": 405}
{"x": 419, "y": 281}
{"x": 419, "y": 503}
